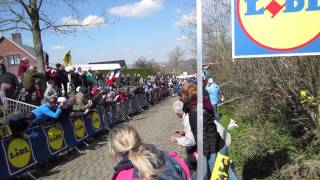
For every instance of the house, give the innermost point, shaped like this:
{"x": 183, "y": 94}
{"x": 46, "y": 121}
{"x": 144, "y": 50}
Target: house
{"x": 12, "y": 50}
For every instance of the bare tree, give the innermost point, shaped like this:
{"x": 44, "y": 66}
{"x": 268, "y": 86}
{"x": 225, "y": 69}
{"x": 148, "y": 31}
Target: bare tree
{"x": 143, "y": 62}
{"x": 176, "y": 55}
{"x": 28, "y": 15}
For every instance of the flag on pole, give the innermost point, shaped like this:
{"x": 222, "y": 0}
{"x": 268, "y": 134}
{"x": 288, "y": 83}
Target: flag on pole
{"x": 114, "y": 75}
{"x": 67, "y": 59}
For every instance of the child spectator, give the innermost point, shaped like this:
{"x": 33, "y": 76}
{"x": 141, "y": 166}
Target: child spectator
{"x": 141, "y": 161}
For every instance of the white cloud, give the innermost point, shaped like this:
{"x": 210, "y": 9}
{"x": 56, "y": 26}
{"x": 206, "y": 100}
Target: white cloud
{"x": 89, "y": 21}
{"x": 58, "y": 47}
{"x": 182, "y": 38}
{"x": 186, "y": 19}
{"x": 141, "y": 8}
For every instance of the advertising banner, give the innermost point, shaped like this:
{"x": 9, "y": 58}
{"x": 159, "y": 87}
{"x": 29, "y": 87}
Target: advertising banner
{"x": 79, "y": 128}
{"x": 96, "y": 121}
{"x": 18, "y": 154}
{"x": 265, "y": 28}
{"x": 55, "y": 138}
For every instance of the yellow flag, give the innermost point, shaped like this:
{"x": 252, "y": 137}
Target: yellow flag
{"x": 67, "y": 59}
{"x": 221, "y": 166}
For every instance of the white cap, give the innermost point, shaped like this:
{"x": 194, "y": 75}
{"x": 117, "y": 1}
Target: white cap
{"x": 62, "y": 99}
{"x": 210, "y": 80}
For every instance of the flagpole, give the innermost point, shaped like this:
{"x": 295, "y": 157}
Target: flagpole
{"x": 201, "y": 162}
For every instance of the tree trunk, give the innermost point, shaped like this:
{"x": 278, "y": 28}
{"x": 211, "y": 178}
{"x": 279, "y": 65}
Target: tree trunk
{"x": 38, "y": 50}
{"x": 36, "y": 34}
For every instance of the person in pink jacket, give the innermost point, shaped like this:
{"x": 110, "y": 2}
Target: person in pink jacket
{"x": 143, "y": 161}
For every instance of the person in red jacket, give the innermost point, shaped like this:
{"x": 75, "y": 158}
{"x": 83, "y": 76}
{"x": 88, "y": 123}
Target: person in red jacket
{"x": 23, "y": 66}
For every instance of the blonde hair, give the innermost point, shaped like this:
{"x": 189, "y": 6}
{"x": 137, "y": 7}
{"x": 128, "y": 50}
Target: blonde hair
{"x": 124, "y": 139}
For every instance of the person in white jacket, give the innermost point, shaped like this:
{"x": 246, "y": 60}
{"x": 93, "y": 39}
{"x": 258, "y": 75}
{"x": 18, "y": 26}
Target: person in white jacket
{"x": 183, "y": 137}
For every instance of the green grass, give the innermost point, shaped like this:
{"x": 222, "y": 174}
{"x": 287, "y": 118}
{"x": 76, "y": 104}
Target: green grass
{"x": 254, "y": 139}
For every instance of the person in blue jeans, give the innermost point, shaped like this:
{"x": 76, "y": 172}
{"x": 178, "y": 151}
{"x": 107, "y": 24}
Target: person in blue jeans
{"x": 212, "y": 159}
{"x": 212, "y": 141}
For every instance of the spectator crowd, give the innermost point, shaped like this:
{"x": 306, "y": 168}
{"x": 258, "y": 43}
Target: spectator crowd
{"x": 73, "y": 92}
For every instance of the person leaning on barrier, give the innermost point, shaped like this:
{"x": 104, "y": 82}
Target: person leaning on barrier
{"x": 214, "y": 95}
{"x": 98, "y": 97}
{"x": 47, "y": 111}
{"x": 82, "y": 104}
{"x": 183, "y": 137}
{"x": 67, "y": 109}
{"x": 19, "y": 122}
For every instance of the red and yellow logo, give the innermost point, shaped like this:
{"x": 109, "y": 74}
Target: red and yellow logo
{"x": 280, "y": 25}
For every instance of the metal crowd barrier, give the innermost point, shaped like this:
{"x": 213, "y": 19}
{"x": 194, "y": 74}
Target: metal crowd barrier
{"x": 20, "y": 154}
{"x": 13, "y": 106}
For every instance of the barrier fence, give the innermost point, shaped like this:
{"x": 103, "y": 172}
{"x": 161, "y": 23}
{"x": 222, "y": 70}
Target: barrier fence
{"x": 42, "y": 143}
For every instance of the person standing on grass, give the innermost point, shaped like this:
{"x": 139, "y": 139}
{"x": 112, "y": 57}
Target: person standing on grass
{"x": 212, "y": 141}
{"x": 214, "y": 95}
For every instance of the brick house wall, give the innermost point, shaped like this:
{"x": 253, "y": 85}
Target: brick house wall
{"x": 7, "y": 48}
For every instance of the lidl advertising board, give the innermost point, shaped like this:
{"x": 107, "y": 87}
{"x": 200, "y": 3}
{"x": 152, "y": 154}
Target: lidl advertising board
{"x": 264, "y": 28}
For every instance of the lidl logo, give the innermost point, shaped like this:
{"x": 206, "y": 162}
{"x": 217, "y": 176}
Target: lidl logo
{"x": 277, "y": 26}
{"x": 19, "y": 153}
{"x": 79, "y": 128}
{"x": 55, "y": 136}
{"x": 96, "y": 123}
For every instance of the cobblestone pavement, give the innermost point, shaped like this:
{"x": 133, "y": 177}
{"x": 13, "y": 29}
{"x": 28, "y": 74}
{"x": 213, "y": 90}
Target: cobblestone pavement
{"x": 155, "y": 126}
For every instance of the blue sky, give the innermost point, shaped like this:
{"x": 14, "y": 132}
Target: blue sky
{"x": 138, "y": 28}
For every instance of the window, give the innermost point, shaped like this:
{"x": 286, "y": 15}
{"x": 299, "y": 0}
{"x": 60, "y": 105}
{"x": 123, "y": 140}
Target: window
{"x": 13, "y": 59}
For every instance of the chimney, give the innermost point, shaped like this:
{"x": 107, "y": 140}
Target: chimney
{"x": 16, "y": 37}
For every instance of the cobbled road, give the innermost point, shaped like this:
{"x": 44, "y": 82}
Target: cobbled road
{"x": 155, "y": 126}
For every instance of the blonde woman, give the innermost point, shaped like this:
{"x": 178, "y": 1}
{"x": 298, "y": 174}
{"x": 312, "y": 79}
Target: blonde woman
{"x": 143, "y": 161}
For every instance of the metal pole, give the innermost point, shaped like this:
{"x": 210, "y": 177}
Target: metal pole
{"x": 201, "y": 162}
